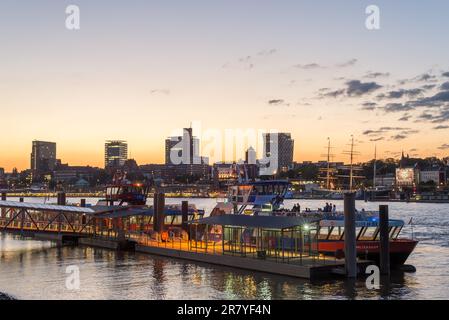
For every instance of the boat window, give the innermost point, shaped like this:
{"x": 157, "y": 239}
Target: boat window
{"x": 392, "y": 232}
{"x": 335, "y": 234}
{"x": 396, "y": 232}
{"x": 368, "y": 234}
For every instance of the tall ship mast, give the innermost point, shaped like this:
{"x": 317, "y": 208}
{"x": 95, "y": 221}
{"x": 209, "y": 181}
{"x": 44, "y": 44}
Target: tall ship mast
{"x": 328, "y": 171}
{"x": 352, "y": 168}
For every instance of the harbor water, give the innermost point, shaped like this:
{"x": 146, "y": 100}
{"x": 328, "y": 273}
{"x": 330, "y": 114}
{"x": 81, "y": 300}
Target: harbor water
{"x": 31, "y": 269}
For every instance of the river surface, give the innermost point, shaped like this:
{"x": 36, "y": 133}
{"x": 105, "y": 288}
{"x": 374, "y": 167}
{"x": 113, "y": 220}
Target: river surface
{"x": 31, "y": 269}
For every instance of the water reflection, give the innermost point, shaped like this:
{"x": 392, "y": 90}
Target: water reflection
{"x": 36, "y": 269}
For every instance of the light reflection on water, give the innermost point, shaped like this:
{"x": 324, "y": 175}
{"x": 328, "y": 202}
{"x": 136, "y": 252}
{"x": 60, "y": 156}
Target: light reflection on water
{"x": 32, "y": 269}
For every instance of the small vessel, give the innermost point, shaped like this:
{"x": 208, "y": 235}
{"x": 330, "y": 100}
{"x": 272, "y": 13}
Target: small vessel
{"x": 266, "y": 198}
{"x": 331, "y": 237}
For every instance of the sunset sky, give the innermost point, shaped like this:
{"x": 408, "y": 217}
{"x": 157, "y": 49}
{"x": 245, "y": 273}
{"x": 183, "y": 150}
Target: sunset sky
{"x": 138, "y": 70}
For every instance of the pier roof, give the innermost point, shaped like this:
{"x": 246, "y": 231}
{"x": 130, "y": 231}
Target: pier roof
{"x": 268, "y": 222}
{"x": 44, "y": 207}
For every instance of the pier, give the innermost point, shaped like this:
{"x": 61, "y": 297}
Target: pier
{"x": 279, "y": 245}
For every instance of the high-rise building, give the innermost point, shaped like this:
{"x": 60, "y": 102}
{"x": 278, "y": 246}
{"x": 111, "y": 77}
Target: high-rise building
{"x": 250, "y": 156}
{"x": 183, "y": 149}
{"x": 278, "y": 150}
{"x": 43, "y": 156}
{"x": 115, "y": 153}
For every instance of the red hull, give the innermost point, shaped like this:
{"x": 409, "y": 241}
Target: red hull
{"x": 399, "y": 249}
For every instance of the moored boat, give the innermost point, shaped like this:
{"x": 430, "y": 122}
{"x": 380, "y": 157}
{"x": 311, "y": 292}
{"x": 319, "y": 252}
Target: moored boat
{"x": 266, "y": 198}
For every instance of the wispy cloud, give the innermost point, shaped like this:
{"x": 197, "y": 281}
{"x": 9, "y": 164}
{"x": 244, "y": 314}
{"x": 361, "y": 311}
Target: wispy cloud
{"x": 395, "y": 133}
{"x": 369, "y": 106}
{"x": 278, "y": 102}
{"x": 373, "y": 75}
{"x": 397, "y": 94}
{"x": 161, "y": 91}
{"x": 309, "y": 66}
{"x": 441, "y": 127}
{"x": 348, "y": 63}
{"x": 444, "y": 147}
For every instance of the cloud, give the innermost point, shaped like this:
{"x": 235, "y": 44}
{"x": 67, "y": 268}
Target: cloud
{"x": 373, "y": 75}
{"x": 445, "y": 74}
{"x": 445, "y": 86}
{"x": 160, "y": 91}
{"x": 333, "y": 94}
{"x": 277, "y": 102}
{"x": 397, "y": 94}
{"x": 377, "y": 139}
{"x": 439, "y": 117}
{"x": 435, "y": 100}
{"x": 444, "y": 147}
{"x": 405, "y": 117}
{"x": 398, "y": 137}
{"x": 397, "y": 107}
{"x": 309, "y": 66}
{"x": 439, "y": 99}
{"x": 267, "y": 52}
{"x": 248, "y": 62}
{"x": 425, "y": 77}
{"x": 358, "y": 88}
{"x": 428, "y": 86}
{"x": 349, "y": 63}
{"x": 441, "y": 127}
{"x": 369, "y": 106}
{"x": 397, "y": 133}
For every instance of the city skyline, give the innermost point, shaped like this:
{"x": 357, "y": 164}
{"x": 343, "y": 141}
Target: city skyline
{"x": 311, "y": 69}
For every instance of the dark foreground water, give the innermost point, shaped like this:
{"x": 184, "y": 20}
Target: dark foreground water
{"x": 32, "y": 269}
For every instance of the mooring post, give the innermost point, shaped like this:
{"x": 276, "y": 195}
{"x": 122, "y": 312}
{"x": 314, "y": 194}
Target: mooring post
{"x": 384, "y": 240}
{"x": 160, "y": 212}
{"x": 350, "y": 236}
{"x": 20, "y": 199}
{"x": 3, "y": 212}
{"x": 185, "y": 215}
{"x": 155, "y": 211}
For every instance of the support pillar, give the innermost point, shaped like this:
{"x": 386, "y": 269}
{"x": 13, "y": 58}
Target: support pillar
{"x": 185, "y": 215}
{"x": 350, "y": 236}
{"x": 161, "y": 211}
{"x": 384, "y": 240}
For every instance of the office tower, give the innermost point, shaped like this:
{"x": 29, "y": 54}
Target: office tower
{"x": 43, "y": 156}
{"x": 182, "y": 149}
{"x": 115, "y": 153}
{"x": 278, "y": 146}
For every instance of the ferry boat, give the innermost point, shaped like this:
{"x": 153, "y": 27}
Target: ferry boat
{"x": 331, "y": 237}
{"x": 266, "y": 198}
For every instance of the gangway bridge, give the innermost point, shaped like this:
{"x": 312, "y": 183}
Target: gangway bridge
{"x": 68, "y": 223}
